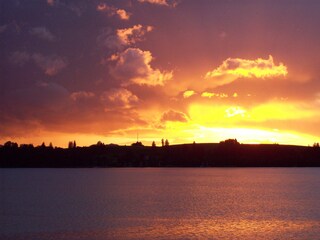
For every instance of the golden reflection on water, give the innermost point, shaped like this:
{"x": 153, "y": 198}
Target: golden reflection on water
{"x": 195, "y": 229}
{"x": 219, "y": 229}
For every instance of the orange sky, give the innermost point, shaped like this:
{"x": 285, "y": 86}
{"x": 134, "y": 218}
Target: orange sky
{"x": 184, "y": 70}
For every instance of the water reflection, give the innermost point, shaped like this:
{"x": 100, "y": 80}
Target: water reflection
{"x": 220, "y": 229}
{"x": 194, "y": 229}
{"x": 161, "y": 204}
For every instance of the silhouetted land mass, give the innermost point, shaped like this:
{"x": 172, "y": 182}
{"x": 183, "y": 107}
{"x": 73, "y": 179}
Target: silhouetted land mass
{"x": 224, "y": 154}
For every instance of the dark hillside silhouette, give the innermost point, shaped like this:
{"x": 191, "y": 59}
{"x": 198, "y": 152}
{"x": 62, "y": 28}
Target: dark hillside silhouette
{"x": 228, "y": 153}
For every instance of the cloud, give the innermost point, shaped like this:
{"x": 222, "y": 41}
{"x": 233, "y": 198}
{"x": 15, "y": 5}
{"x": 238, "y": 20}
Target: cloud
{"x": 80, "y": 95}
{"x": 102, "y": 7}
{"x": 123, "y": 14}
{"x": 51, "y": 2}
{"x": 129, "y": 36}
{"x": 234, "y": 68}
{"x": 106, "y": 38}
{"x": 160, "y": 2}
{"x": 223, "y": 35}
{"x": 211, "y": 94}
{"x": 234, "y": 111}
{"x": 38, "y": 101}
{"x": 188, "y": 93}
{"x": 3, "y": 28}
{"x": 118, "y": 98}
{"x": 19, "y": 58}
{"x": 174, "y": 116}
{"x": 51, "y": 65}
{"x": 122, "y": 37}
{"x": 77, "y": 7}
{"x": 46, "y": 106}
{"x": 111, "y": 11}
{"x": 133, "y": 66}
{"x": 43, "y": 33}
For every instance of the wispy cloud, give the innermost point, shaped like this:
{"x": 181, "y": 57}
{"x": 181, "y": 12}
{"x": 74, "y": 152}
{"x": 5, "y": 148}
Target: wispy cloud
{"x": 51, "y": 2}
{"x": 160, "y": 2}
{"x": 235, "y": 111}
{"x": 43, "y": 33}
{"x": 3, "y": 28}
{"x": 51, "y": 65}
{"x": 19, "y": 58}
{"x": 80, "y": 95}
{"x": 76, "y": 7}
{"x": 212, "y": 94}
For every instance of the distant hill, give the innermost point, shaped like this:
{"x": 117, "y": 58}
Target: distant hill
{"x": 224, "y": 154}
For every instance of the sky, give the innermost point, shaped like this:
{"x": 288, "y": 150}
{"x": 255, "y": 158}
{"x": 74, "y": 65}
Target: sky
{"x": 182, "y": 70}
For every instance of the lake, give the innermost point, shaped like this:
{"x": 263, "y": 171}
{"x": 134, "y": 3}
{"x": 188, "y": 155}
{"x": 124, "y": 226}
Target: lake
{"x": 160, "y": 203}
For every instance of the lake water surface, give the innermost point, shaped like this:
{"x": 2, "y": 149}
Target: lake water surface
{"x": 160, "y": 203}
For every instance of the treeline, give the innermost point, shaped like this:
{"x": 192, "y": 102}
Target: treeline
{"x": 224, "y": 154}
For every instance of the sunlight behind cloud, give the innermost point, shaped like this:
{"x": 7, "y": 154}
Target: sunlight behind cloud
{"x": 234, "y": 68}
{"x": 259, "y": 68}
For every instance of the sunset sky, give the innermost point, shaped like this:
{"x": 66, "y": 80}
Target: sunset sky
{"x": 185, "y": 70}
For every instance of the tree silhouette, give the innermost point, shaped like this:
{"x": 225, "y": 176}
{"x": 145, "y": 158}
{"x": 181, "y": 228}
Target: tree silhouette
{"x": 162, "y": 142}
{"x": 230, "y": 142}
{"x": 166, "y": 143}
{"x": 72, "y": 144}
{"x": 153, "y": 144}
{"x": 10, "y": 144}
{"x": 100, "y": 144}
